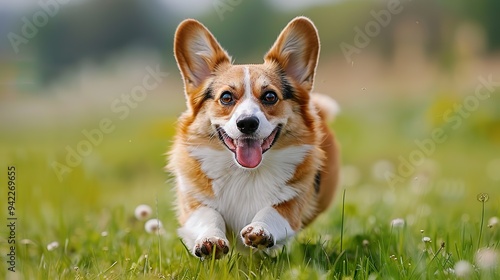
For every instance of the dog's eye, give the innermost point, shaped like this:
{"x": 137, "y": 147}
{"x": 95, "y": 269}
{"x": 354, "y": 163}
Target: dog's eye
{"x": 269, "y": 98}
{"x": 226, "y": 98}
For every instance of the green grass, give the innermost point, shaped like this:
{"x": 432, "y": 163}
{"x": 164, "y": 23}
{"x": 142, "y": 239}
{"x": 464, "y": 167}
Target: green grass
{"x": 90, "y": 212}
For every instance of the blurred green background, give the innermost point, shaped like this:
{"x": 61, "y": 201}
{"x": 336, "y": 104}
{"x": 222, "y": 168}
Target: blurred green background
{"x": 413, "y": 68}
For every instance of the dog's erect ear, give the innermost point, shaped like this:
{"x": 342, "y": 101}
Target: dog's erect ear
{"x": 197, "y": 52}
{"x": 296, "y": 51}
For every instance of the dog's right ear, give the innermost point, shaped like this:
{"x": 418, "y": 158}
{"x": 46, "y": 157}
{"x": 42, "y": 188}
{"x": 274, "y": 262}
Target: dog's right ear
{"x": 197, "y": 53}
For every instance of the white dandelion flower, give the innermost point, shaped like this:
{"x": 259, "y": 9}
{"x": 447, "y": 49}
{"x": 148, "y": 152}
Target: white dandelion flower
{"x": 52, "y": 246}
{"x": 463, "y": 269}
{"x": 153, "y": 226}
{"x": 486, "y": 258}
{"x": 426, "y": 239}
{"x": 142, "y": 212}
{"x": 398, "y": 223}
{"x": 493, "y": 221}
{"x": 27, "y": 242}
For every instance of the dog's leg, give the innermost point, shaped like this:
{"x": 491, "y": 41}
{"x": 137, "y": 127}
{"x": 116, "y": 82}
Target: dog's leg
{"x": 204, "y": 232}
{"x": 269, "y": 229}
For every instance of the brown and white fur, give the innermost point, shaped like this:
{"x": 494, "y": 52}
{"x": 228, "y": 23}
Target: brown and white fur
{"x": 253, "y": 156}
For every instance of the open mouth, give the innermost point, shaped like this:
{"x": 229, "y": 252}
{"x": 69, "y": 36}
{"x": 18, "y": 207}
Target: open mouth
{"x": 248, "y": 151}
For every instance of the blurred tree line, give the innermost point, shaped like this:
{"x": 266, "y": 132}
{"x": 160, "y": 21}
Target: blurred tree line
{"x": 484, "y": 12}
{"x": 95, "y": 29}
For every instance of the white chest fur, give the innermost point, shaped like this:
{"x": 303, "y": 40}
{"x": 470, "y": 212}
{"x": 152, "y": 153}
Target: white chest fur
{"x": 241, "y": 193}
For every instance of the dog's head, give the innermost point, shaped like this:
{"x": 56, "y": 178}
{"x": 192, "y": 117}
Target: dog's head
{"x": 249, "y": 108}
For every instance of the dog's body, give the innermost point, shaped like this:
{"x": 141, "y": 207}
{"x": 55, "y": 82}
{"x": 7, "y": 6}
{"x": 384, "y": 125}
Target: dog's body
{"x": 253, "y": 155}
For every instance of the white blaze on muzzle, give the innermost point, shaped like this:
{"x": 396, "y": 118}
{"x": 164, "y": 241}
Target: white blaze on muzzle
{"x": 248, "y": 145}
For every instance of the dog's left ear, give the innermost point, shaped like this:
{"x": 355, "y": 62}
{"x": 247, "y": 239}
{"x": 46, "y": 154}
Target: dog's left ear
{"x": 296, "y": 51}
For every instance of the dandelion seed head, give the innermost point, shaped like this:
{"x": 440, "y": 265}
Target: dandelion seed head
{"x": 52, "y": 246}
{"x": 493, "y": 221}
{"x": 463, "y": 269}
{"x": 142, "y": 212}
{"x": 398, "y": 223}
{"x": 486, "y": 258}
{"x": 426, "y": 239}
{"x": 27, "y": 242}
{"x": 104, "y": 233}
{"x": 153, "y": 226}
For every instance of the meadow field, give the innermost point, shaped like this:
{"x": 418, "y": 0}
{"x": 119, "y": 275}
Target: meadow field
{"x": 83, "y": 138}
{"x": 413, "y": 203}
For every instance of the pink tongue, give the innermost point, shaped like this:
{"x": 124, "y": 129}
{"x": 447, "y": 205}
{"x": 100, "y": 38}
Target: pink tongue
{"x": 248, "y": 153}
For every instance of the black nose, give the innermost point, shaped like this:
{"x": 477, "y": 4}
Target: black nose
{"x": 248, "y": 125}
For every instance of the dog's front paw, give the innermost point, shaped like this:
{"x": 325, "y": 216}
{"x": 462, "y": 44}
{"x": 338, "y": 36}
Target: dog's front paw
{"x": 257, "y": 236}
{"x": 205, "y": 247}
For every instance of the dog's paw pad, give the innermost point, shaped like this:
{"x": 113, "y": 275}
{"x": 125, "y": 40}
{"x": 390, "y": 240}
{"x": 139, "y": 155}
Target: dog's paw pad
{"x": 257, "y": 237}
{"x": 205, "y": 247}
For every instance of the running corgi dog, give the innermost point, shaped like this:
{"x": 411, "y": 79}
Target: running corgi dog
{"x": 253, "y": 157}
